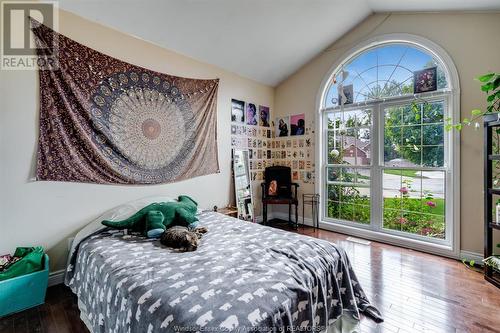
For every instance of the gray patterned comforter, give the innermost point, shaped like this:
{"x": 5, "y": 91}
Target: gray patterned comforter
{"x": 243, "y": 277}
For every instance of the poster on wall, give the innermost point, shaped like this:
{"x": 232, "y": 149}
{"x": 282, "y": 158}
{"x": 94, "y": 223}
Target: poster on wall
{"x": 297, "y": 124}
{"x": 263, "y": 116}
{"x": 237, "y": 111}
{"x": 282, "y": 126}
{"x": 347, "y": 97}
{"x": 251, "y": 114}
{"x": 425, "y": 80}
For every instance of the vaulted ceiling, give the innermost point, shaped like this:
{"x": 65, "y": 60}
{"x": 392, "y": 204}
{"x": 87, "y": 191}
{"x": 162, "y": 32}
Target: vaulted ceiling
{"x": 264, "y": 40}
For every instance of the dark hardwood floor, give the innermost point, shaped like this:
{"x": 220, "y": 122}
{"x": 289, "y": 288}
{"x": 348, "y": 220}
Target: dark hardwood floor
{"x": 59, "y": 314}
{"x": 419, "y": 292}
{"x": 416, "y": 292}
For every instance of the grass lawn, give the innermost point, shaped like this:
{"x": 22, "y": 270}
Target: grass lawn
{"x": 415, "y": 204}
{"x": 406, "y": 173}
{"x": 411, "y": 205}
{"x": 360, "y": 176}
{"x": 411, "y": 215}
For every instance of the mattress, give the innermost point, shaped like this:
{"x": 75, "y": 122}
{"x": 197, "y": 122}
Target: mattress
{"x": 243, "y": 276}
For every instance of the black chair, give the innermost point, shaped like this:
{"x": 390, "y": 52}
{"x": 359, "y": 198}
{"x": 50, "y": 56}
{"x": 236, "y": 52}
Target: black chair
{"x": 280, "y": 177}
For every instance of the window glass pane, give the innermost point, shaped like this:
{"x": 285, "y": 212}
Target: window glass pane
{"x": 334, "y": 192}
{"x": 346, "y": 211}
{"x": 355, "y": 199}
{"x": 415, "y": 143}
{"x": 334, "y": 174}
{"x": 381, "y": 72}
{"x": 349, "y": 175}
{"x": 349, "y": 137}
{"x": 393, "y": 116}
{"x": 364, "y": 118}
{"x": 433, "y": 156}
{"x": 333, "y": 209}
{"x": 362, "y": 214}
{"x": 349, "y": 152}
{"x": 417, "y": 206}
{"x": 392, "y": 218}
{"x": 349, "y": 134}
{"x": 350, "y": 203}
{"x": 357, "y": 195}
{"x": 433, "y": 134}
{"x": 392, "y": 156}
{"x": 335, "y": 148}
{"x": 334, "y": 120}
{"x": 363, "y": 176}
{"x": 391, "y": 185}
{"x": 433, "y": 112}
{"x": 412, "y": 114}
{"x": 412, "y": 135}
{"x": 433, "y": 183}
{"x": 411, "y": 155}
{"x": 350, "y": 119}
{"x": 410, "y": 191}
{"x": 363, "y": 145}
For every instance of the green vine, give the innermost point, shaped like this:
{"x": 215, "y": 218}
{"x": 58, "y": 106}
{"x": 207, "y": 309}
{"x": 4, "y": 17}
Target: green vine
{"x": 490, "y": 85}
{"x": 471, "y": 264}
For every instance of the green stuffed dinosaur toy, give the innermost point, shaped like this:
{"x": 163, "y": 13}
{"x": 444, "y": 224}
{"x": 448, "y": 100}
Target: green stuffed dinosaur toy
{"x": 155, "y": 218}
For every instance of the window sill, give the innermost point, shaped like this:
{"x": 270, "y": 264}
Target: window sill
{"x": 389, "y": 238}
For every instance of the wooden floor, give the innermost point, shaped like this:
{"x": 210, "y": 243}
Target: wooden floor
{"x": 59, "y": 314}
{"x": 416, "y": 292}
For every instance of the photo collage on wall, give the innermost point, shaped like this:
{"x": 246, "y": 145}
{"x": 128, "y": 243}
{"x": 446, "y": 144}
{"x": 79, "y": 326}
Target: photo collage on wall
{"x": 287, "y": 141}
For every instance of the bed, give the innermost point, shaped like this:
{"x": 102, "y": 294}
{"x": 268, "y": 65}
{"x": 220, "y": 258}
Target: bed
{"x": 243, "y": 277}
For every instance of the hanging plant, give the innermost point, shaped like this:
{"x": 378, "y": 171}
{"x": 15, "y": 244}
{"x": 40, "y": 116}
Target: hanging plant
{"x": 490, "y": 85}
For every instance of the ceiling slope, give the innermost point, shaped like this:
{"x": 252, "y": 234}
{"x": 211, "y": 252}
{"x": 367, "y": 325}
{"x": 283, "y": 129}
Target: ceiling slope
{"x": 264, "y": 40}
{"x": 260, "y": 39}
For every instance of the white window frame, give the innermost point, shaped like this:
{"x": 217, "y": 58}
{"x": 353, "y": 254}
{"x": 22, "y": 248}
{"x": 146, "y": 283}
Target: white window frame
{"x": 450, "y": 246}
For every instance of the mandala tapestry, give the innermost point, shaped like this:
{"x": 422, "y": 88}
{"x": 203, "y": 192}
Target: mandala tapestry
{"x": 105, "y": 121}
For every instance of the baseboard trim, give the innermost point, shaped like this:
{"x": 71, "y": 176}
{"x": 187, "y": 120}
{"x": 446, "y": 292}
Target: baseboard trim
{"x": 284, "y": 216}
{"x": 469, "y": 255}
{"x": 56, "y": 277}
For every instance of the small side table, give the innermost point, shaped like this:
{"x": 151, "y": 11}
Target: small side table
{"x": 313, "y": 201}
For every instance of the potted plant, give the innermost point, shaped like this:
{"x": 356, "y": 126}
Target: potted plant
{"x": 493, "y": 261}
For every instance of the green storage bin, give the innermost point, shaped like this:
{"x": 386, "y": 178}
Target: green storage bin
{"x": 25, "y": 291}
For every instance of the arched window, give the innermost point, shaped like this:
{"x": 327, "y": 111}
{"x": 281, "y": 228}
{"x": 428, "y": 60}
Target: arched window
{"x": 382, "y": 72}
{"x": 387, "y": 165}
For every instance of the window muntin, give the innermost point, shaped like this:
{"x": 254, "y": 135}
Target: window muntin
{"x": 382, "y": 72}
{"x": 349, "y": 133}
{"x": 409, "y": 127}
{"x": 414, "y": 202}
{"x": 349, "y": 159}
{"x": 414, "y": 135}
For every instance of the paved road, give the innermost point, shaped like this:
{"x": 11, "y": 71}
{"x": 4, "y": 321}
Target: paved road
{"x": 432, "y": 181}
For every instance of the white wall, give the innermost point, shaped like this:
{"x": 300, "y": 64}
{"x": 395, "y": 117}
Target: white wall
{"x": 47, "y": 213}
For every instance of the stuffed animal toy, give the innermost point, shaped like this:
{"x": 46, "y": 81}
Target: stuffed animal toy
{"x": 155, "y": 218}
